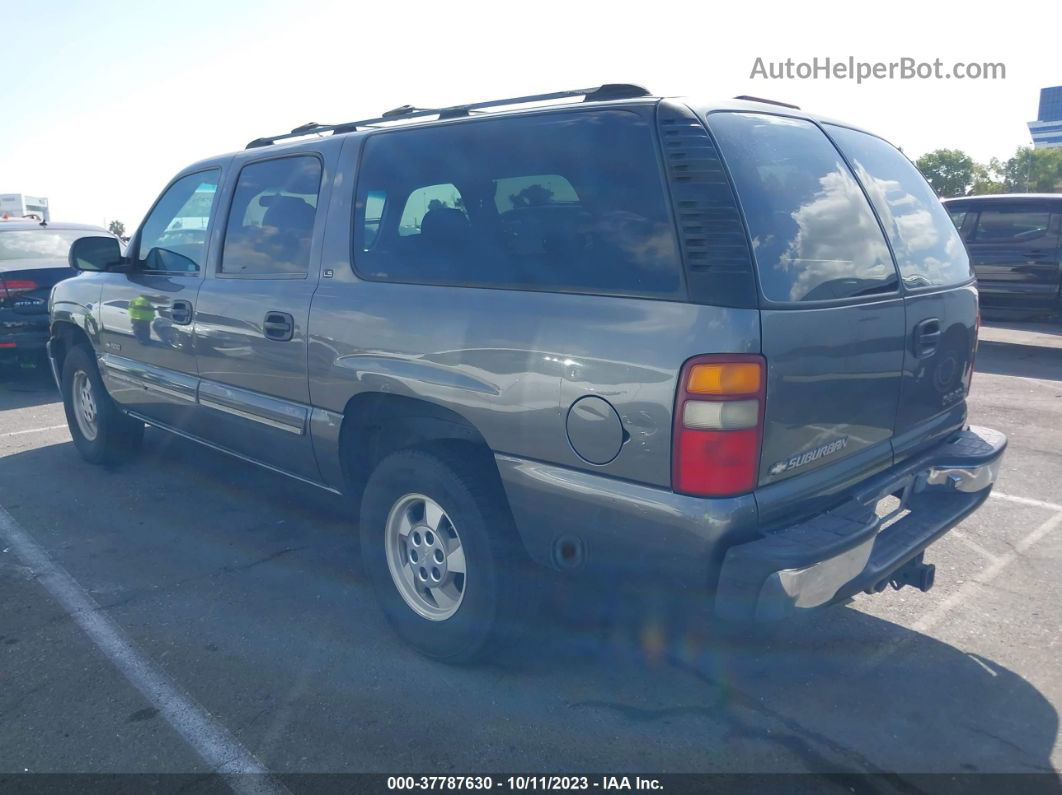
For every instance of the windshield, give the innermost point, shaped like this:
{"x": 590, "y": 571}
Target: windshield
{"x": 38, "y": 243}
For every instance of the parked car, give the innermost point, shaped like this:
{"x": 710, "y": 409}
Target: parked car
{"x": 1015, "y": 244}
{"x": 646, "y": 338}
{"x": 33, "y": 257}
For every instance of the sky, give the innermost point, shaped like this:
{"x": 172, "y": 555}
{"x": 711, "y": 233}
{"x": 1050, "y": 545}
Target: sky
{"x": 101, "y": 103}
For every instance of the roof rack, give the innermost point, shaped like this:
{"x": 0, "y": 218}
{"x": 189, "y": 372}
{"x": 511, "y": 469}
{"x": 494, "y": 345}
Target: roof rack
{"x": 747, "y": 98}
{"x": 600, "y": 93}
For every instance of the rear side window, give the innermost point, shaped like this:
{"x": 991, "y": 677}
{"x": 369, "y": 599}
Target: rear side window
{"x": 1011, "y": 225}
{"x": 813, "y": 233}
{"x": 271, "y": 218}
{"x": 561, "y": 202}
{"x": 924, "y": 239}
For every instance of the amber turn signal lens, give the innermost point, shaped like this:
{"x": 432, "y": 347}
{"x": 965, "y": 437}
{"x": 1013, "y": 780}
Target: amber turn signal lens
{"x": 738, "y": 378}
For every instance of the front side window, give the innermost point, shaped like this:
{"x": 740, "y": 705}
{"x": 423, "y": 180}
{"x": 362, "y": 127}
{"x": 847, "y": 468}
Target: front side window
{"x": 561, "y": 202}
{"x": 174, "y": 236}
{"x": 270, "y": 226}
{"x": 1011, "y": 225}
{"x": 813, "y": 233}
{"x": 927, "y": 246}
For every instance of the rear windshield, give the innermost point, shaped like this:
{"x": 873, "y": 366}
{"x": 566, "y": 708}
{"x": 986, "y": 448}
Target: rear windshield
{"x": 923, "y": 237}
{"x": 813, "y": 233}
{"x": 558, "y": 202}
{"x": 39, "y": 244}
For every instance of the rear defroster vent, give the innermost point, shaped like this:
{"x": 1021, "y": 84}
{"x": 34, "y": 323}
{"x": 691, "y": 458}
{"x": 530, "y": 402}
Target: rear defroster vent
{"x": 714, "y": 244}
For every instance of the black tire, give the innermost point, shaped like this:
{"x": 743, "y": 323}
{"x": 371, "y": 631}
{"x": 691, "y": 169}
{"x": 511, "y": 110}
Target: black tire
{"x": 117, "y": 435}
{"x": 490, "y": 612}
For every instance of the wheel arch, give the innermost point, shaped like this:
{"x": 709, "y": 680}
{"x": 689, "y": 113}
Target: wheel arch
{"x": 65, "y": 335}
{"x": 376, "y": 424}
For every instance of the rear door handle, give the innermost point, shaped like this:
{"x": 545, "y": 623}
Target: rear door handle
{"x": 279, "y": 326}
{"x": 926, "y": 337}
{"x": 181, "y": 312}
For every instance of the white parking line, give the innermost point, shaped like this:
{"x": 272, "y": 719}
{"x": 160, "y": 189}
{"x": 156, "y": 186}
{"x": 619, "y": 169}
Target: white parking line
{"x": 966, "y": 593}
{"x": 214, "y": 743}
{"x": 1051, "y": 506}
{"x": 980, "y": 550}
{"x": 34, "y": 430}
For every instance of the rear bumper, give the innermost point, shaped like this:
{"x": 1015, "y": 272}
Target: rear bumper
{"x": 22, "y": 332}
{"x": 850, "y": 548}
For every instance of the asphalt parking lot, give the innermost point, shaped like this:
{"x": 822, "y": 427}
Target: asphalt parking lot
{"x": 241, "y": 592}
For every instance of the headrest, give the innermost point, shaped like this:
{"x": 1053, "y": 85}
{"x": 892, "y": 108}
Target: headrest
{"x": 445, "y": 224}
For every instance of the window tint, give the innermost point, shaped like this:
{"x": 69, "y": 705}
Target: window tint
{"x": 270, "y": 226}
{"x": 512, "y": 193}
{"x": 174, "y": 236}
{"x": 1011, "y": 225}
{"x": 375, "y": 202}
{"x": 813, "y": 233}
{"x": 926, "y": 244}
{"x": 560, "y": 201}
{"x": 433, "y": 198}
{"x": 958, "y": 217}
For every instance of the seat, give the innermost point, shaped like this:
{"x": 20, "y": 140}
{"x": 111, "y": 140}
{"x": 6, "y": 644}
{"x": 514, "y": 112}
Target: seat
{"x": 288, "y": 222}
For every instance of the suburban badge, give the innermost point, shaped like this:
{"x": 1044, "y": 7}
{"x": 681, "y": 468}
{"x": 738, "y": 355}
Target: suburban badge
{"x": 801, "y": 459}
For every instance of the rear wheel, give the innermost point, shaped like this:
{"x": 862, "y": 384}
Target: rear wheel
{"x": 439, "y": 546}
{"x": 101, "y": 433}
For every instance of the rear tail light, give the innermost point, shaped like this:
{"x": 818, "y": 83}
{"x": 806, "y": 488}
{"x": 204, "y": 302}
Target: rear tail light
{"x": 9, "y": 288}
{"x": 718, "y": 425}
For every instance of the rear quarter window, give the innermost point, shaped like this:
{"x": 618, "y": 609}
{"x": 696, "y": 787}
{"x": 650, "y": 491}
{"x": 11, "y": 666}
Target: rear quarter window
{"x": 813, "y": 233}
{"x": 924, "y": 239}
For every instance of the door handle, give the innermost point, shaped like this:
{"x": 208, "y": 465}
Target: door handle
{"x": 181, "y": 312}
{"x": 926, "y": 337}
{"x": 279, "y": 326}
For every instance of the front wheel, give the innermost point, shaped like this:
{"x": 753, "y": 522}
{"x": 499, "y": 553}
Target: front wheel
{"x": 101, "y": 432}
{"x": 439, "y": 546}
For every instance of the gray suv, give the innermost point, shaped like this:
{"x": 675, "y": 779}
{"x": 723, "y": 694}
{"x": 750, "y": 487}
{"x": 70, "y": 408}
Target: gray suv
{"x": 725, "y": 347}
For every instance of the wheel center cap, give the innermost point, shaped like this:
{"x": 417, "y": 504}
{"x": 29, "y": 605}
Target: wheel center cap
{"x": 427, "y": 556}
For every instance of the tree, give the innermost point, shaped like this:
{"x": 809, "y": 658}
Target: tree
{"x": 949, "y": 171}
{"x": 988, "y": 178}
{"x": 117, "y": 228}
{"x": 1033, "y": 171}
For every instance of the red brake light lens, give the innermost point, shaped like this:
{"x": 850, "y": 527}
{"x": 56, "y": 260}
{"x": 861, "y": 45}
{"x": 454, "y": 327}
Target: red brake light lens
{"x": 9, "y": 288}
{"x": 718, "y": 425}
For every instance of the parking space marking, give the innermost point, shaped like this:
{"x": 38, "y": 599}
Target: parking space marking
{"x": 980, "y": 550}
{"x": 965, "y": 593}
{"x": 214, "y": 743}
{"x": 34, "y": 430}
{"x": 1051, "y": 506}
{"x": 986, "y": 576}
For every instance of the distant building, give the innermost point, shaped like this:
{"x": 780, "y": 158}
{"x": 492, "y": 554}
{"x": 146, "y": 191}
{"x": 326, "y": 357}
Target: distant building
{"x": 1047, "y": 129}
{"x": 17, "y": 205}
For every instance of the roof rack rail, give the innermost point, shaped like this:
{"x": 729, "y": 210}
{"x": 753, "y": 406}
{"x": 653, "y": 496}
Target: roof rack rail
{"x": 747, "y": 98}
{"x": 607, "y": 91}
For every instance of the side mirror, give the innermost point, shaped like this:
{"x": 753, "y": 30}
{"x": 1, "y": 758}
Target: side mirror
{"x": 96, "y": 254}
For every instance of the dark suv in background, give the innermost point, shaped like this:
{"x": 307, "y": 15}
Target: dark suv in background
{"x": 723, "y": 346}
{"x": 1015, "y": 244}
